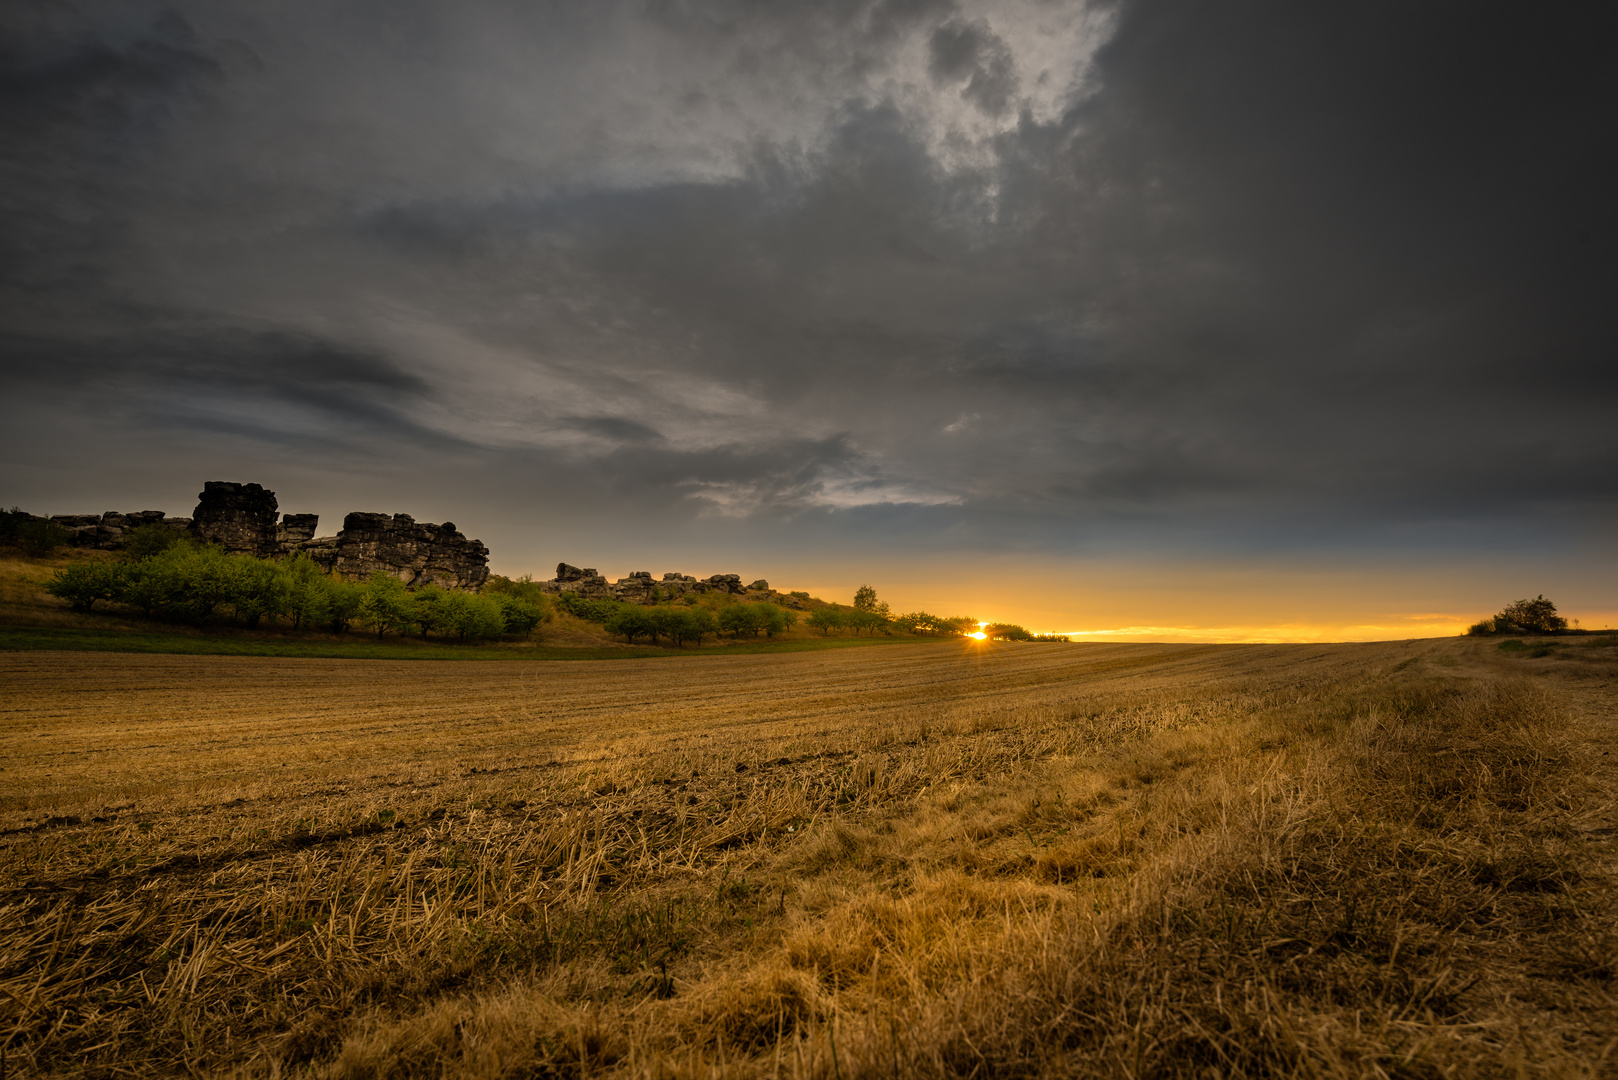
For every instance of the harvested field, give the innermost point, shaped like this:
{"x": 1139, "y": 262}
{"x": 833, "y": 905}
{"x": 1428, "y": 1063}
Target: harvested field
{"x": 936, "y": 860}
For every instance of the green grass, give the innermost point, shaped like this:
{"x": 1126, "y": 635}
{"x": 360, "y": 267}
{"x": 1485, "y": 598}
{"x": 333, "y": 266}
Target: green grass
{"x": 27, "y": 639}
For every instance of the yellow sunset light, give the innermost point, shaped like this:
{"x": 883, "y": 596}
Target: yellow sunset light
{"x": 980, "y": 635}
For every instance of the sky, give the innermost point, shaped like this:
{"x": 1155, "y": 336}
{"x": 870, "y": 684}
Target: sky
{"x": 1153, "y": 319}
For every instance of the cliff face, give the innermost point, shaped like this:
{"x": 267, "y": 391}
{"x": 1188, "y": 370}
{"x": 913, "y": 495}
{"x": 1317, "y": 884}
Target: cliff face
{"x": 243, "y": 518}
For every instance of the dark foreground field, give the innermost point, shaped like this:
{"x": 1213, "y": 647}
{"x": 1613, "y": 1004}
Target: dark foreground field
{"x": 932, "y": 860}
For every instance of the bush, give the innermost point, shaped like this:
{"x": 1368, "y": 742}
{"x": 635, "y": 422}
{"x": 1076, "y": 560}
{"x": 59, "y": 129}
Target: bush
{"x": 82, "y": 584}
{"x": 144, "y": 541}
{"x": 522, "y": 615}
{"x": 471, "y": 617}
{"x": 590, "y": 610}
{"x": 41, "y": 536}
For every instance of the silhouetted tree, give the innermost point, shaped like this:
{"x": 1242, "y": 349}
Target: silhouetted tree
{"x": 1537, "y": 616}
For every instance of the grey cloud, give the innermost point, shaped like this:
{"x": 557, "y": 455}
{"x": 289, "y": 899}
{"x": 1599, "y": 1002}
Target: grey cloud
{"x": 1275, "y": 270}
{"x": 961, "y": 51}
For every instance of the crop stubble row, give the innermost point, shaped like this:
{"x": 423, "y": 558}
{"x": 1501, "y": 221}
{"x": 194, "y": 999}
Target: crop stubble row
{"x": 82, "y": 726}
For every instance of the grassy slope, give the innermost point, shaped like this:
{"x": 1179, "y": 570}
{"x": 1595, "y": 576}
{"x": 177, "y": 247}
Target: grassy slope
{"x": 1324, "y": 861}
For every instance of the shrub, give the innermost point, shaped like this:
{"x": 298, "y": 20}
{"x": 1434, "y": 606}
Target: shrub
{"x": 144, "y": 541}
{"x": 41, "y": 536}
{"x": 82, "y": 584}
{"x": 521, "y": 614}
{"x": 591, "y": 610}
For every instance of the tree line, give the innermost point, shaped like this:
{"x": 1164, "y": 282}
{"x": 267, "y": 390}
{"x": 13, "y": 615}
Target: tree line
{"x": 168, "y": 576}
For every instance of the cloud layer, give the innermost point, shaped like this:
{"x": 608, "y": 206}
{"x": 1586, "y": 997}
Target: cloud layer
{"x": 1028, "y": 276}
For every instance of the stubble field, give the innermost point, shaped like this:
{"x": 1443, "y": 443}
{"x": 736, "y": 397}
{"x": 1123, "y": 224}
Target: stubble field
{"x": 933, "y": 860}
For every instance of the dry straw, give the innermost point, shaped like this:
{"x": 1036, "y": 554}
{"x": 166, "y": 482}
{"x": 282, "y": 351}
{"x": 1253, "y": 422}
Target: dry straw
{"x": 1034, "y": 860}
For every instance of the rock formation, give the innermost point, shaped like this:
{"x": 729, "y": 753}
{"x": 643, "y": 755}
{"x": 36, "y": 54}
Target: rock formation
{"x": 106, "y": 531}
{"x": 640, "y": 587}
{"x": 243, "y": 518}
{"x": 418, "y": 553}
{"x": 237, "y": 517}
{"x": 296, "y": 530}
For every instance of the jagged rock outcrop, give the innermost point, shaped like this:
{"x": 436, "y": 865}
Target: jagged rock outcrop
{"x": 106, "y": 531}
{"x": 243, "y": 518}
{"x": 296, "y": 530}
{"x": 418, "y": 553}
{"x": 237, "y": 517}
{"x": 640, "y": 587}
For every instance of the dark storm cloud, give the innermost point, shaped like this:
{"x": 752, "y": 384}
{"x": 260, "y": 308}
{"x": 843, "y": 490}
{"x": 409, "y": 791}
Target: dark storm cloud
{"x": 1279, "y": 265}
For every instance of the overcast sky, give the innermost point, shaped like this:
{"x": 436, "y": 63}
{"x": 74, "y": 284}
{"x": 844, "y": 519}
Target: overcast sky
{"x": 827, "y": 291}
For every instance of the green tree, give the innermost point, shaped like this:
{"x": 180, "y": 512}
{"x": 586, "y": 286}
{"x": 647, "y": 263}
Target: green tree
{"x": 337, "y": 603}
{"x": 385, "y": 605}
{"x": 205, "y": 579}
{"x": 83, "y": 584}
{"x": 152, "y": 585}
{"x": 522, "y": 615}
{"x": 303, "y": 584}
{"x": 256, "y": 589}
{"x": 41, "y": 536}
{"x": 1536, "y": 616}
{"x": 865, "y": 600}
{"x": 634, "y": 621}
{"x": 826, "y": 620}
{"x": 427, "y": 609}
{"x": 144, "y": 541}
{"x": 11, "y": 521}
{"x": 472, "y": 617}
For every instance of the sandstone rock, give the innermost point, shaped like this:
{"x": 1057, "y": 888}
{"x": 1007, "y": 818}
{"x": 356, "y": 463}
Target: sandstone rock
{"x": 759, "y": 586}
{"x": 237, "y": 517}
{"x": 296, "y": 530}
{"x": 565, "y": 573}
{"x": 418, "y": 553}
